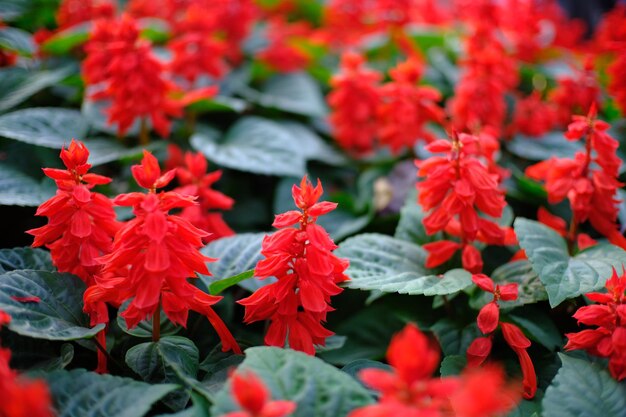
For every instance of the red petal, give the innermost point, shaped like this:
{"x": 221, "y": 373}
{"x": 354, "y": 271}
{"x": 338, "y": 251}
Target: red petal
{"x": 488, "y": 318}
{"x": 483, "y": 282}
{"x": 287, "y": 219}
{"x": 478, "y": 351}
{"x": 514, "y": 336}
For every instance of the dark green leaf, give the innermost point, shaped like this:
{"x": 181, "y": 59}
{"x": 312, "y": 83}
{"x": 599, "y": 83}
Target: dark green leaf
{"x": 51, "y": 127}
{"x": 312, "y": 145}
{"x": 59, "y": 313}
{"x": 253, "y": 144}
{"x": 581, "y": 389}
{"x": 539, "y": 326}
{"x": 144, "y": 328}
{"x": 25, "y": 258}
{"x": 454, "y": 339}
{"x": 17, "y": 40}
{"x": 380, "y": 262}
{"x": 17, "y": 84}
{"x": 538, "y": 149}
{"x": 18, "y": 189}
{"x": 452, "y": 365}
{"x": 564, "y": 276}
{"x": 79, "y": 393}
{"x": 319, "y": 389}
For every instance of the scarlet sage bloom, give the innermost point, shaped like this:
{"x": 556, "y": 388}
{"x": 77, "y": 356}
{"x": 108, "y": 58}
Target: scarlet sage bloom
{"x": 488, "y": 321}
{"x": 354, "y": 101}
{"x": 406, "y": 107}
{"x": 410, "y": 390}
{"x": 73, "y": 12}
{"x": 533, "y": 116}
{"x": 608, "y": 338}
{"x": 81, "y": 223}
{"x": 307, "y": 271}
{"x": 591, "y": 190}
{"x": 253, "y": 397}
{"x": 21, "y": 397}
{"x": 122, "y": 68}
{"x": 152, "y": 257}
{"x": 456, "y": 186}
{"x": 286, "y": 51}
{"x": 575, "y": 94}
{"x": 194, "y": 180}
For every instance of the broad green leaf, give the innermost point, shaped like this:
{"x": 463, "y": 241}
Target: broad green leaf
{"x": 530, "y": 288}
{"x": 355, "y": 367}
{"x": 17, "y": 40}
{"x": 538, "y": 325}
{"x": 79, "y": 393}
{"x": 319, "y": 389}
{"x": 28, "y": 354}
{"x": 564, "y": 276}
{"x": 17, "y": 84}
{"x": 45, "y": 126}
{"x": 217, "y": 287}
{"x": 25, "y": 258}
{"x": 144, "y": 328}
{"x": 380, "y": 262}
{"x": 19, "y": 189}
{"x": 64, "y": 41}
{"x": 453, "y": 338}
{"x": 104, "y": 150}
{"x": 582, "y": 389}
{"x": 253, "y": 144}
{"x": 172, "y": 359}
{"x": 12, "y": 9}
{"x": 235, "y": 255}
{"x": 452, "y": 365}
{"x": 296, "y": 93}
{"x": 540, "y": 148}
{"x": 58, "y": 315}
{"x": 312, "y": 145}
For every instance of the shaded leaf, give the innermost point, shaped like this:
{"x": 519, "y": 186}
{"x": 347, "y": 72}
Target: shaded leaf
{"x": 17, "y": 84}
{"x": 19, "y": 189}
{"x": 25, "y": 258}
{"x": 44, "y": 126}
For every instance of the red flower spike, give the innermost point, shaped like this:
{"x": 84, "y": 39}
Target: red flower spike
{"x": 73, "y": 12}
{"x": 308, "y": 273}
{"x": 252, "y": 395}
{"x": 608, "y": 339}
{"x": 153, "y": 256}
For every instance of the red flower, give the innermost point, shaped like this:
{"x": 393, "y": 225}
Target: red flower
{"x": 409, "y": 389}
{"x": 608, "y": 339}
{"x": 81, "y": 223}
{"x": 406, "y": 108}
{"x": 455, "y": 188}
{"x": 152, "y": 257}
{"x": 285, "y": 52}
{"x": 21, "y": 397}
{"x": 575, "y": 94}
{"x": 195, "y": 181}
{"x": 130, "y": 76}
{"x": 591, "y": 191}
{"x": 252, "y": 395}
{"x": 533, "y": 117}
{"x": 72, "y": 12}
{"x": 307, "y": 272}
{"x": 354, "y": 101}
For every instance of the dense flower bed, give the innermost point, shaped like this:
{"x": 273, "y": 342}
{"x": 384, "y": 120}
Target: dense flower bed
{"x": 270, "y": 208}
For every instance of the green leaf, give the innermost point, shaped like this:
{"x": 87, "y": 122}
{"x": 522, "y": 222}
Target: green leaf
{"x": 539, "y": 326}
{"x": 105, "y": 150}
{"x": 235, "y": 255}
{"x": 172, "y": 359}
{"x": 380, "y": 262}
{"x": 253, "y": 144}
{"x": 452, "y": 365}
{"x": 411, "y": 225}
{"x": 453, "y": 338}
{"x": 319, "y": 389}
{"x": 312, "y": 145}
{"x": 25, "y": 258}
{"x": 564, "y": 276}
{"x": 17, "y": 84}
{"x": 296, "y": 93}
{"x": 79, "y": 393}
{"x": 219, "y": 104}
{"x": 540, "y": 148}
{"x": 17, "y": 40}
{"x": 28, "y": 354}
{"x": 59, "y": 313}
{"x": 581, "y": 389}
{"x": 530, "y": 288}
{"x": 217, "y": 287}
{"x": 12, "y": 9}
{"x": 62, "y": 42}
{"x": 19, "y": 189}
{"x": 51, "y": 127}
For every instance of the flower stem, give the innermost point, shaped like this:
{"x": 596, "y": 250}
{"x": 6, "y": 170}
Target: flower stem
{"x": 144, "y": 134}
{"x": 156, "y": 324}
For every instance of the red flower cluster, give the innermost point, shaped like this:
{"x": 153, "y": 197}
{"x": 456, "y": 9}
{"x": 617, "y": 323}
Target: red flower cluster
{"x": 533, "y": 116}
{"x": 307, "y": 272}
{"x": 123, "y": 69}
{"x": 285, "y": 52}
{"x": 81, "y": 223}
{"x": 152, "y": 257}
{"x": 409, "y": 390}
{"x": 405, "y": 107}
{"x": 612, "y": 38}
{"x": 488, "y": 321}
{"x": 73, "y": 12}
{"x": 252, "y": 395}
{"x": 193, "y": 179}
{"x": 21, "y": 397}
{"x": 354, "y": 102}
{"x": 455, "y": 188}
{"x": 608, "y": 339}
{"x": 592, "y": 192}
{"x": 575, "y": 94}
